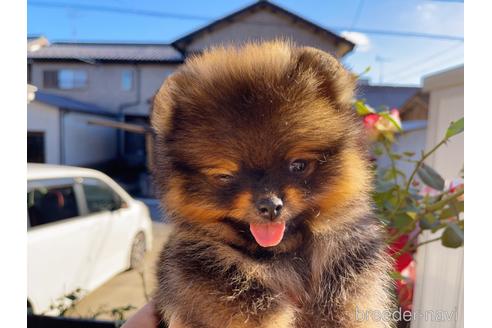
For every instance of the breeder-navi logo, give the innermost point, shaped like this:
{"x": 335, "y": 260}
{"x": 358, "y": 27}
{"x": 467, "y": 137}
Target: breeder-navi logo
{"x": 405, "y": 315}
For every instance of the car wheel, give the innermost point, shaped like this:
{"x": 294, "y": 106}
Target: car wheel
{"x": 30, "y": 310}
{"x": 138, "y": 252}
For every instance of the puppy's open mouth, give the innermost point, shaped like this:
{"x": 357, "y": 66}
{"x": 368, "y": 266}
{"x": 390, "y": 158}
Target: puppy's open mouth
{"x": 268, "y": 234}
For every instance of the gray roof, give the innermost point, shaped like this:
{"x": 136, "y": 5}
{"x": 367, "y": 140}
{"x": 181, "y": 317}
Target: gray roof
{"x": 107, "y": 52}
{"x": 392, "y": 97}
{"x": 182, "y": 42}
{"x": 414, "y": 125}
{"x": 70, "y": 104}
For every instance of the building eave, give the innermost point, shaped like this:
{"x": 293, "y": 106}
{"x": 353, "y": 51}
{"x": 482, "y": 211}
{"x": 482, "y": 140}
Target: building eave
{"x": 344, "y": 46}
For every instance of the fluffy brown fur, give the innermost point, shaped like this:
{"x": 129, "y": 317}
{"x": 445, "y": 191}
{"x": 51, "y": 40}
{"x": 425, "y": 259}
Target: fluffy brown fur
{"x": 228, "y": 126}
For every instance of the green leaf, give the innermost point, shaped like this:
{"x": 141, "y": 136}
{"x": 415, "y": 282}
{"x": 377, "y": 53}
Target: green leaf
{"x": 378, "y": 151}
{"x": 368, "y": 68}
{"x": 429, "y": 221}
{"x": 395, "y": 275}
{"x": 430, "y": 177}
{"x": 363, "y": 109}
{"x": 438, "y": 226}
{"x": 459, "y": 205}
{"x": 409, "y": 153}
{"x": 452, "y": 236}
{"x": 392, "y": 120}
{"x": 403, "y": 222}
{"x": 447, "y": 213}
{"x": 455, "y": 128}
{"x": 453, "y": 210}
{"x": 392, "y": 174}
{"x": 387, "y": 204}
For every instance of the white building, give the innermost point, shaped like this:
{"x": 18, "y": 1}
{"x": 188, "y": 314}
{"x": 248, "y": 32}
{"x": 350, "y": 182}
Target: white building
{"x": 123, "y": 78}
{"x": 439, "y": 281}
{"x": 59, "y": 131}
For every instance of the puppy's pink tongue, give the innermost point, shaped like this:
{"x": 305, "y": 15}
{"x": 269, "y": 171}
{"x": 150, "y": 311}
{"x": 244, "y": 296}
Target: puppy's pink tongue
{"x": 267, "y": 234}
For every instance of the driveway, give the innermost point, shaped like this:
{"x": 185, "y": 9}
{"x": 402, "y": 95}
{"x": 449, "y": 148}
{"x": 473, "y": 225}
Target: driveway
{"x": 126, "y": 288}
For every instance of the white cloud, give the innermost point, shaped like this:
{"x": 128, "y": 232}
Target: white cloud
{"x": 427, "y": 11}
{"x": 361, "y": 40}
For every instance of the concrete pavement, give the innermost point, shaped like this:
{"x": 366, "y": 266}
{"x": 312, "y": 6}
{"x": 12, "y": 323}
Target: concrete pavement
{"x": 126, "y": 288}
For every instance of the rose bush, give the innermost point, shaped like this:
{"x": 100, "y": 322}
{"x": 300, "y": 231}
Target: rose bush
{"x": 410, "y": 205}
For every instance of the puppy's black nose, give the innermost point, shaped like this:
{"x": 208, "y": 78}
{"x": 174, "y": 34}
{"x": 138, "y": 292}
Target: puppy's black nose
{"x": 270, "y": 207}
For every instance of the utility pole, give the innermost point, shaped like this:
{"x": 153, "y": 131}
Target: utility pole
{"x": 381, "y": 61}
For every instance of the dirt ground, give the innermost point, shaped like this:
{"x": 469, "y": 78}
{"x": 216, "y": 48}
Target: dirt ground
{"x": 127, "y": 288}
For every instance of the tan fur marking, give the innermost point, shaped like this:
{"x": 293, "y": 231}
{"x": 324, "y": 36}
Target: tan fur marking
{"x": 242, "y": 205}
{"x": 188, "y": 208}
{"x": 353, "y": 181}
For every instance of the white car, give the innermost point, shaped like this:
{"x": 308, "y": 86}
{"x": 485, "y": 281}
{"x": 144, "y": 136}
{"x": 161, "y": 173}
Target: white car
{"x": 83, "y": 228}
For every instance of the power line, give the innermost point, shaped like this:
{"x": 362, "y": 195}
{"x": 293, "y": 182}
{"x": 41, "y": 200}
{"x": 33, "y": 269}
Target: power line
{"x": 358, "y": 11}
{"x": 424, "y": 60}
{"x": 161, "y": 14}
{"x": 423, "y": 69}
{"x": 381, "y": 61}
{"x": 407, "y": 34}
{"x": 116, "y": 10}
{"x": 456, "y": 1}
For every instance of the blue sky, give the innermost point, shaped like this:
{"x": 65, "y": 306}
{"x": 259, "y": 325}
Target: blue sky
{"x": 393, "y": 59}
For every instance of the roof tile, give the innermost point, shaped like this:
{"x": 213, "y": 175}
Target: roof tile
{"x": 108, "y": 52}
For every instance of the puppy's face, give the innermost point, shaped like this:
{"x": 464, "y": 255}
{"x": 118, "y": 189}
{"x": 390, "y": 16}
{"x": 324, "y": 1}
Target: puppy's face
{"x": 259, "y": 143}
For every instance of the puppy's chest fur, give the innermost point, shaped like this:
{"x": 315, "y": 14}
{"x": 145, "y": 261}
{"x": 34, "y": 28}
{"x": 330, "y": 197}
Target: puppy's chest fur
{"x": 213, "y": 285}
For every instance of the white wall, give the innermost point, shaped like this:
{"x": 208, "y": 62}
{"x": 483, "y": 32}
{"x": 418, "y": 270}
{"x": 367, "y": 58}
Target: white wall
{"x": 152, "y": 78}
{"x": 104, "y": 83}
{"x": 44, "y": 118}
{"x": 85, "y": 143}
{"x": 408, "y": 141}
{"x": 439, "y": 281}
{"x": 412, "y": 141}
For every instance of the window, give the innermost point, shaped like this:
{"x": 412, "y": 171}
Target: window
{"x": 29, "y": 73}
{"x": 127, "y": 80}
{"x": 99, "y": 196}
{"x": 66, "y": 79}
{"x": 51, "y": 204}
{"x": 35, "y": 147}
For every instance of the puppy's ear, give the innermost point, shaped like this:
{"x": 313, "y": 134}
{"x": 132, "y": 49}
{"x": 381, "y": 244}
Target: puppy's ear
{"x": 337, "y": 83}
{"x": 162, "y": 108}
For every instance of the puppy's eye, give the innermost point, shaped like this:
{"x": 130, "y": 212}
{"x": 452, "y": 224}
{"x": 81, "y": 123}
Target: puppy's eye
{"x": 224, "y": 178}
{"x": 298, "y": 166}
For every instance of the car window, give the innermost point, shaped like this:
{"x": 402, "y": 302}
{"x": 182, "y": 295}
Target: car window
{"x": 51, "y": 204}
{"x": 99, "y": 196}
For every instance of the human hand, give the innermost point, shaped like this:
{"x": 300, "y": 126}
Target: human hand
{"x": 146, "y": 318}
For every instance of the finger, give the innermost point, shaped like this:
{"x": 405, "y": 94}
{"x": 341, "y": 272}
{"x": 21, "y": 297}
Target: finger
{"x": 144, "y": 318}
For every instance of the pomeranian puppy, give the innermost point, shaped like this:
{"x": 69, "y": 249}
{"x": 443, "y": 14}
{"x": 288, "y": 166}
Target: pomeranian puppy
{"x": 262, "y": 166}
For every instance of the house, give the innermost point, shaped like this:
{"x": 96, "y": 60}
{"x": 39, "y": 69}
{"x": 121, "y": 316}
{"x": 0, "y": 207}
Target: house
{"x": 122, "y": 77}
{"x": 416, "y": 107}
{"x": 59, "y": 131}
{"x": 383, "y": 96}
{"x": 263, "y": 20}
{"x": 117, "y": 77}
